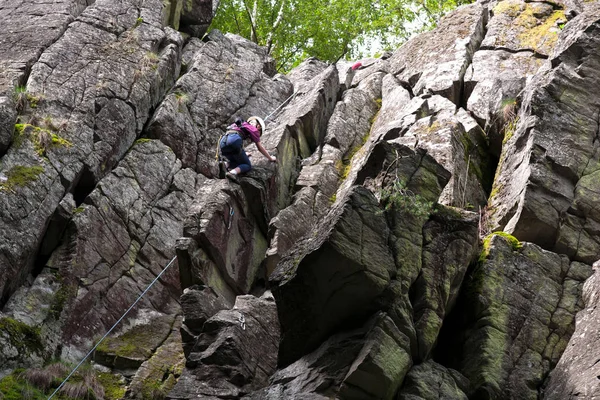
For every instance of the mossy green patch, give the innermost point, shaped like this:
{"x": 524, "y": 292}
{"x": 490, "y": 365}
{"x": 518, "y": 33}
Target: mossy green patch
{"x": 22, "y": 336}
{"x": 114, "y": 386}
{"x": 541, "y": 34}
{"x": 66, "y": 292}
{"x": 13, "y": 388}
{"x": 513, "y": 241}
{"x": 19, "y": 176}
{"x": 142, "y": 140}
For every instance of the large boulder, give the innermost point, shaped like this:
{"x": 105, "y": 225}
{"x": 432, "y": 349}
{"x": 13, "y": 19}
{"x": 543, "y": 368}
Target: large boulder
{"x": 88, "y": 98}
{"x": 436, "y": 61}
{"x": 546, "y": 187}
{"x": 522, "y": 305}
{"x": 234, "y": 354}
{"x": 314, "y": 293}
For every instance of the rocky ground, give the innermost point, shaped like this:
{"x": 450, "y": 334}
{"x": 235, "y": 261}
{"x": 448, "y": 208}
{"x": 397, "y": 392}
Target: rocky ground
{"x": 429, "y": 230}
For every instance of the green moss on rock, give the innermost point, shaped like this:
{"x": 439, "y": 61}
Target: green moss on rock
{"x": 20, "y": 175}
{"x": 114, "y": 386}
{"x": 22, "y": 336}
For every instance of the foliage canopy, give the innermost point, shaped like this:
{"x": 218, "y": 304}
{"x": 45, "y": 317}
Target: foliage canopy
{"x": 328, "y": 29}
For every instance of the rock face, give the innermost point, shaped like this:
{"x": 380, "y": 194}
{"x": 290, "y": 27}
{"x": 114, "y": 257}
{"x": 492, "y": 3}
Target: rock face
{"x": 364, "y": 231}
{"x": 577, "y": 371}
{"x": 524, "y": 305}
{"x": 235, "y": 352}
{"x": 551, "y": 157}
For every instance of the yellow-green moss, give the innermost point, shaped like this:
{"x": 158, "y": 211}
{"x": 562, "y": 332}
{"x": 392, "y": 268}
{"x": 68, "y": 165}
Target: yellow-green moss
{"x": 114, "y": 387}
{"x": 13, "y": 388}
{"x": 513, "y": 241}
{"x": 42, "y": 138}
{"x": 64, "y": 293}
{"x": 143, "y": 140}
{"x": 19, "y": 176}
{"x": 22, "y": 336}
{"x": 508, "y": 7}
{"x": 540, "y": 34}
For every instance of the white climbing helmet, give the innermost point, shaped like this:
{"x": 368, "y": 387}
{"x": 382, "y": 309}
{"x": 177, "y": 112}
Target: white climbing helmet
{"x": 259, "y": 121}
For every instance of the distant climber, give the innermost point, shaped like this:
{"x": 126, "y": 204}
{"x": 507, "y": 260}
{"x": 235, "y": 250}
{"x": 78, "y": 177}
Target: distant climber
{"x": 232, "y": 145}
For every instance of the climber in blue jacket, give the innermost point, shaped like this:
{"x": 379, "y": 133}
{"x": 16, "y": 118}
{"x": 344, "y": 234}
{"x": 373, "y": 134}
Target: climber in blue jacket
{"x": 232, "y": 145}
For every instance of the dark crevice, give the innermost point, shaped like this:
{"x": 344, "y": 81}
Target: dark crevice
{"x": 449, "y": 349}
{"x": 84, "y": 186}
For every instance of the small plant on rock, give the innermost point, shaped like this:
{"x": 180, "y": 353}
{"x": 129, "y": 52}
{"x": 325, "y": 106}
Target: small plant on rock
{"x": 398, "y": 197}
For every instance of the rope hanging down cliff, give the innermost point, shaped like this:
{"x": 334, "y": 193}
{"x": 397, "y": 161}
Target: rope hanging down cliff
{"x": 113, "y": 327}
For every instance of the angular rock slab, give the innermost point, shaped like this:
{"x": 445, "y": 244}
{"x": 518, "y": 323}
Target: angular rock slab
{"x": 576, "y": 374}
{"x": 432, "y": 381}
{"x": 221, "y": 222}
{"x": 546, "y": 186}
{"x": 493, "y": 83}
{"x": 436, "y": 61}
{"x": 518, "y": 25}
{"x": 347, "y": 129}
{"x": 88, "y": 98}
{"x": 334, "y": 276}
{"x": 364, "y": 363}
{"x": 523, "y": 302}
{"x": 455, "y": 141}
{"x": 235, "y": 353}
{"x": 120, "y": 240}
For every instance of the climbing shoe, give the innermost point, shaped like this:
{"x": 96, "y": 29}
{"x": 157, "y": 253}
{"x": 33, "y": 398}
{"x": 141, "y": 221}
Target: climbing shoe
{"x": 233, "y": 177}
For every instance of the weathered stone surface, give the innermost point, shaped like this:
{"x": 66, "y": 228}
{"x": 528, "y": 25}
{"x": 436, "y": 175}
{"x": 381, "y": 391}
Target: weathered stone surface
{"x": 436, "y": 61}
{"x": 518, "y": 25}
{"x": 545, "y": 190}
{"x": 348, "y": 129}
{"x": 432, "y": 381}
{"x": 87, "y": 98}
{"x": 135, "y": 342}
{"x": 199, "y": 304}
{"x": 225, "y": 79}
{"x": 315, "y": 294}
{"x": 221, "y": 222}
{"x": 450, "y": 242}
{"x": 158, "y": 375}
{"x": 523, "y": 305}
{"x": 119, "y": 240}
{"x": 576, "y": 374}
{"x": 493, "y": 83}
{"x": 234, "y": 354}
{"x": 366, "y": 363}
{"x": 457, "y": 143}
{"x": 28, "y": 30}
{"x": 318, "y": 374}
{"x": 381, "y": 365}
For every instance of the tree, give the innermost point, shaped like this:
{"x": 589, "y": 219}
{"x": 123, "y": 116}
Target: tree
{"x": 327, "y": 29}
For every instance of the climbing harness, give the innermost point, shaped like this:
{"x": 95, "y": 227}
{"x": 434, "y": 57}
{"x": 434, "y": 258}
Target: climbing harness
{"x": 242, "y": 321}
{"x": 219, "y": 156}
{"x": 113, "y": 327}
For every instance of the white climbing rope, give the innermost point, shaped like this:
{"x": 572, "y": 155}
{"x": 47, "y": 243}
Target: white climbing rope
{"x": 281, "y": 105}
{"x": 113, "y": 327}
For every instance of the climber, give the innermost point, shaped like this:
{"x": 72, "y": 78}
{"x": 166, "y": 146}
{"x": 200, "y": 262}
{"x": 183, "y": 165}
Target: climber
{"x": 232, "y": 145}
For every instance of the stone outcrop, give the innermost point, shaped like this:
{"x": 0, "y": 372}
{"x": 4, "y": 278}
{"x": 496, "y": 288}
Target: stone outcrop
{"x": 82, "y": 114}
{"x": 363, "y": 230}
{"x": 576, "y": 373}
{"x": 523, "y": 305}
{"x": 235, "y": 353}
{"x": 545, "y": 189}
{"x": 436, "y": 61}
